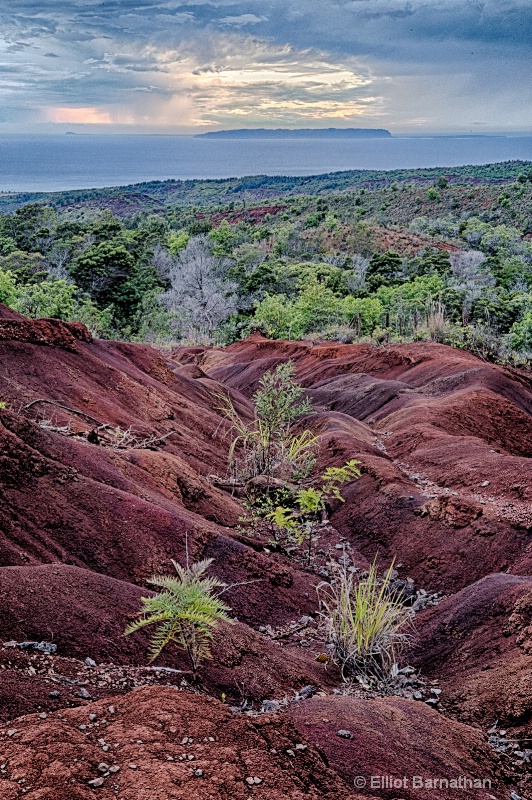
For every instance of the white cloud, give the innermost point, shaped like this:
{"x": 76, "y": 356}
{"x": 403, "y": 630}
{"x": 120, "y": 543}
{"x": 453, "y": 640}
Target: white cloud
{"x": 243, "y": 19}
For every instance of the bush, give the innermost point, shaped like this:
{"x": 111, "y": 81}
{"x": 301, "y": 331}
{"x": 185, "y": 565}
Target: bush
{"x": 267, "y": 446}
{"x": 366, "y": 625}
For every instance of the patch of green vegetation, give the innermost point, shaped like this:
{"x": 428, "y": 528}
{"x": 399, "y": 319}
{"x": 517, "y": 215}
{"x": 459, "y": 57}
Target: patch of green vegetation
{"x": 351, "y": 256}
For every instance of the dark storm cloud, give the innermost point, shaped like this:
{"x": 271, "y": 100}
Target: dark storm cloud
{"x": 410, "y": 53}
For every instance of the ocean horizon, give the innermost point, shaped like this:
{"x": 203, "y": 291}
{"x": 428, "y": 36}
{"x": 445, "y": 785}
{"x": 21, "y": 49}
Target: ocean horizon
{"x": 48, "y": 163}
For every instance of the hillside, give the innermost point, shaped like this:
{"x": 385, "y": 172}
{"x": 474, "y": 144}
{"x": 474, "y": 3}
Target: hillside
{"x": 444, "y": 441}
{"x": 158, "y": 195}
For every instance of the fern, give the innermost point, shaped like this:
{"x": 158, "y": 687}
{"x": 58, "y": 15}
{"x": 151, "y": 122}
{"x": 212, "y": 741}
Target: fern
{"x": 186, "y": 612}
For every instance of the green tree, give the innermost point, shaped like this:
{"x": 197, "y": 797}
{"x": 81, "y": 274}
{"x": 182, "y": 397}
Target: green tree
{"x": 521, "y": 333}
{"x": 8, "y": 290}
{"x": 384, "y": 269}
{"x": 101, "y": 269}
{"x": 46, "y": 299}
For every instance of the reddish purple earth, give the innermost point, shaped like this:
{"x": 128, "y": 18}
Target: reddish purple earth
{"x": 445, "y": 443}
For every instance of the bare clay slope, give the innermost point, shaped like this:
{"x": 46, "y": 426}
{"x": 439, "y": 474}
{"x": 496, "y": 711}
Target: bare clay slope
{"x": 445, "y": 441}
{"x": 445, "y": 444}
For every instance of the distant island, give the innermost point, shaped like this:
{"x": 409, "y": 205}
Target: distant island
{"x": 298, "y": 133}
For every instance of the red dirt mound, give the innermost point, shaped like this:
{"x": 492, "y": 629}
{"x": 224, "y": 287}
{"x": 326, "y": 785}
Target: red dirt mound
{"x": 478, "y": 644}
{"x": 445, "y": 427}
{"x": 161, "y": 744}
{"x": 84, "y": 614}
{"x": 392, "y": 739}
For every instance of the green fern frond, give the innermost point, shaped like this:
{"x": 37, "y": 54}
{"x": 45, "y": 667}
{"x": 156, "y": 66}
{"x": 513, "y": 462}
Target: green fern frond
{"x": 186, "y": 611}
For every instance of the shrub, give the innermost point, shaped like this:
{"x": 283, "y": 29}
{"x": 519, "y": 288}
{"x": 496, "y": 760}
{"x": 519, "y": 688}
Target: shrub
{"x": 299, "y": 526}
{"x": 186, "y": 612}
{"x": 267, "y": 446}
{"x": 366, "y": 625}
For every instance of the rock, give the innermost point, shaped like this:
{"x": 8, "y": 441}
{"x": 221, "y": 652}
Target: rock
{"x": 198, "y": 773}
{"x": 11, "y": 731}
{"x": 54, "y": 694}
{"x": 270, "y": 706}
{"x": 114, "y": 769}
{"x": 97, "y": 782}
{"x": 306, "y": 692}
{"x": 84, "y": 694}
{"x": 90, "y": 662}
{"x": 103, "y": 767}
{"x": 343, "y": 734}
{"x": 40, "y": 647}
{"x": 253, "y": 781}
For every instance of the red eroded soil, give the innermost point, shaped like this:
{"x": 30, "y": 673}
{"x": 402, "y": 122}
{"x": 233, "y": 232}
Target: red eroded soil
{"x": 445, "y": 445}
{"x": 479, "y": 644}
{"x": 167, "y": 745}
{"x": 396, "y": 738}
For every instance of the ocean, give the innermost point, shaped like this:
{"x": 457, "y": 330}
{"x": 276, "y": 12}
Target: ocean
{"x": 55, "y": 163}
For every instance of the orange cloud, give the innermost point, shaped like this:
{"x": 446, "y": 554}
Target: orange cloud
{"x": 81, "y": 116}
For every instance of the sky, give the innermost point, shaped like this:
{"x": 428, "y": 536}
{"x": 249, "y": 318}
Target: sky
{"x": 189, "y": 66}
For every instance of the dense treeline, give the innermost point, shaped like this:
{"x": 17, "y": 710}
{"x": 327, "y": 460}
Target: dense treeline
{"x": 410, "y": 259}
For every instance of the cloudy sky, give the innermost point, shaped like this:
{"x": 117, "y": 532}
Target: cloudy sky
{"x": 180, "y": 66}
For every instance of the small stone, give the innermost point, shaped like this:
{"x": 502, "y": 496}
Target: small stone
{"x": 418, "y": 696}
{"x": 290, "y": 753}
{"x": 515, "y": 796}
{"x": 111, "y": 710}
{"x": 485, "y": 483}
{"x": 301, "y": 747}
{"x": 198, "y": 773}
{"x": 345, "y": 734}
{"x": 43, "y": 715}
{"x": 103, "y": 767}
{"x": 83, "y": 727}
{"x": 40, "y": 647}
{"x": 12, "y": 732}
{"x": 270, "y": 706}
{"x": 437, "y": 692}
{"x": 84, "y": 694}
{"x": 114, "y": 769}
{"x": 132, "y": 766}
{"x": 54, "y": 694}
{"x": 92, "y": 717}
{"x": 97, "y": 782}
{"x": 90, "y": 662}
{"x": 306, "y": 691}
